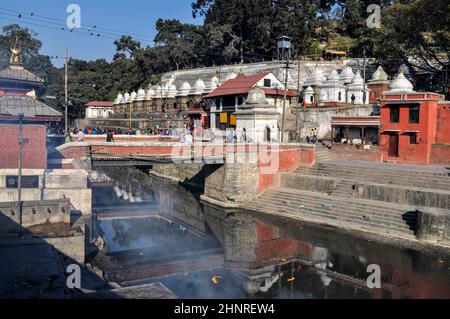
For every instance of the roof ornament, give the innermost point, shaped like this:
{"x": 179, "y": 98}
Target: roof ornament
{"x": 16, "y": 58}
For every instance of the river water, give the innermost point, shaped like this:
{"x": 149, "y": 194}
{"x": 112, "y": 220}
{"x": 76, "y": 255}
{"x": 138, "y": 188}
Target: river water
{"x": 159, "y": 231}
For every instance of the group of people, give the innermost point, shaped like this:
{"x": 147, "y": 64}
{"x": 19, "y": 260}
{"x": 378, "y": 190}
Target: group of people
{"x": 80, "y": 134}
{"x": 237, "y": 136}
{"x": 312, "y": 138}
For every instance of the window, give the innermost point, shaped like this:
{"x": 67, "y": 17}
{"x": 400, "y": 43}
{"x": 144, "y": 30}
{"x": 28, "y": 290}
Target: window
{"x": 414, "y": 115}
{"x": 267, "y": 83}
{"x": 395, "y": 114}
{"x": 413, "y": 138}
{"x": 339, "y": 96}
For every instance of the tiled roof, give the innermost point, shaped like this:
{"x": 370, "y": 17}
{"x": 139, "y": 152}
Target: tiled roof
{"x": 239, "y": 85}
{"x": 18, "y": 73}
{"x": 13, "y": 105}
{"x": 100, "y": 104}
{"x": 242, "y": 85}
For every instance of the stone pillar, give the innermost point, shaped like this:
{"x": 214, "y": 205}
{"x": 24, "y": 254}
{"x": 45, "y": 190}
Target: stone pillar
{"x": 433, "y": 224}
{"x": 233, "y": 182}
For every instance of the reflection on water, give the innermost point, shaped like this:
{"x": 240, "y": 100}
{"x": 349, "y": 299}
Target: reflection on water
{"x": 202, "y": 251}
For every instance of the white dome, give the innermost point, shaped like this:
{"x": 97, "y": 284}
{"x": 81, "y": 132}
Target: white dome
{"x": 347, "y": 75}
{"x": 379, "y": 75}
{"x": 213, "y": 83}
{"x": 140, "y": 94}
{"x": 199, "y": 87}
{"x": 185, "y": 89}
{"x": 333, "y": 80}
{"x": 401, "y": 84}
{"x": 119, "y": 99}
{"x": 127, "y": 97}
{"x": 133, "y": 96}
{"x": 170, "y": 91}
{"x": 315, "y": 78}
{"x": 158, "y": 91}
{"x": 150, "y": 93}
{"x": 309, "y": 90}
{"x": 357, "y": 82}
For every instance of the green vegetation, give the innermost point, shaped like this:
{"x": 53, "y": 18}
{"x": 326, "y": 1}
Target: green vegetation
{"x": 412, "y": 32}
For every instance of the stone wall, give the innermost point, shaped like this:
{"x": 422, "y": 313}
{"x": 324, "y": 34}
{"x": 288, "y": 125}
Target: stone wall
{"x": 403, "y": 195}
{"x": 52, "y": 185}
{"x": 343, "y": 151}
{"x": 319, "y": 184}
{"x": 70, "y": 246}
{"x": 322, "y": 116}
{"x": 233, "y": 182}
{"x": 34, "y": 213}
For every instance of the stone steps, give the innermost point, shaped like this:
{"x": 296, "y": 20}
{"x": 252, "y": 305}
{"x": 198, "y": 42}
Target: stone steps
{"x": 391, "y": 177}
{"x": 384, "y": 211}
{"x": 324, "y": 215}
{"x": 379, "y": 207}
{"x": 351, "y": 167}
{"x": 323, "y": 154}
{"x": 370, "y": 173}
{"x": 359, "y": 214}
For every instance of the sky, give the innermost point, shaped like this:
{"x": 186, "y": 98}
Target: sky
{"x": 135, "y": 17}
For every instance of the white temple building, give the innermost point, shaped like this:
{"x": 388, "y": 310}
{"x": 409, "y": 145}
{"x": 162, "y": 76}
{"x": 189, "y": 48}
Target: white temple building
{"x": 257, "y": 118}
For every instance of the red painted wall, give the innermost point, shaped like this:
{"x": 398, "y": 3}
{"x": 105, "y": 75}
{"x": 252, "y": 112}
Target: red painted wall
{"x": 429, "y": 131}
{"x": 273, "y": 246}
{"x": 34, "y": 152}
{"x": 440, "y": 154}
{"x": 443, "y": 123}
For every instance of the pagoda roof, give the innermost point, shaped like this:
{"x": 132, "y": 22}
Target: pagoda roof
{"x": 19, "y": 73}
{"x": 13, "y": 105}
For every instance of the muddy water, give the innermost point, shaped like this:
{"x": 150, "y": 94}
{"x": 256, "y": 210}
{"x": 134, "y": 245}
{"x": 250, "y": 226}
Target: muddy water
{"x": 202, "y": 251}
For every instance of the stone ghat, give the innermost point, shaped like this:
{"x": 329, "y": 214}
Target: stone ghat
{"x": 393, "y": 201}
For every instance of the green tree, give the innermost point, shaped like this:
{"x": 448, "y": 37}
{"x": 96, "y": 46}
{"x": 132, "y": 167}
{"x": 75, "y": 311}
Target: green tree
{"x": 417, "y": 33}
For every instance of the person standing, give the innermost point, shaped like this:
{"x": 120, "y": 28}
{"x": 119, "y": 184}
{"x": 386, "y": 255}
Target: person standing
{"x": 109, "y": 137}
{"x": 67, "y": 138}
{"x": 80, "y": 136}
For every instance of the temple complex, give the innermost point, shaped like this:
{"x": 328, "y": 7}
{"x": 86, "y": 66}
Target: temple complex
{"x": 18, "y": 94}
{"x": 412, "y": 126}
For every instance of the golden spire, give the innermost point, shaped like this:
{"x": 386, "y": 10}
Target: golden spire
{"x": 16, "y": 58}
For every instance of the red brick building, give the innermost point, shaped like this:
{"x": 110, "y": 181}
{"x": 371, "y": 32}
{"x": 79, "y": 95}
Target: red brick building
{"x": 34, "y": 152}
{"x": 415, "y": 127}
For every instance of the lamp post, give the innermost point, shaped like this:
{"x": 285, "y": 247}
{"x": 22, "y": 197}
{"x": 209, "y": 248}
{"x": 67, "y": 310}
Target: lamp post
{"x": 19, "y": 177}
{"x": 285, "y": 51}
{"x": 66, "y": 102}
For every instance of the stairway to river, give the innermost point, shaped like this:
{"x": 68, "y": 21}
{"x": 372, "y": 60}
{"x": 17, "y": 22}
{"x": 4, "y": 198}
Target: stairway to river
{"x": 339, "y": 207}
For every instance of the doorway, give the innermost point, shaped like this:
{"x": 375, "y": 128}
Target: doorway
{"x": 393, "y": 145}
{"x": 267, "y": 134}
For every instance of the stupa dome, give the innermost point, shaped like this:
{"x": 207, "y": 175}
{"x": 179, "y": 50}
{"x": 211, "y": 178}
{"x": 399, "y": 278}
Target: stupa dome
{"x": 401, "y": 84}
{"x": 347, "y": 75}
{"x": 379, "y": 75}
{"x": 199, "y": 87}
{"x": 256, "y": 96}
